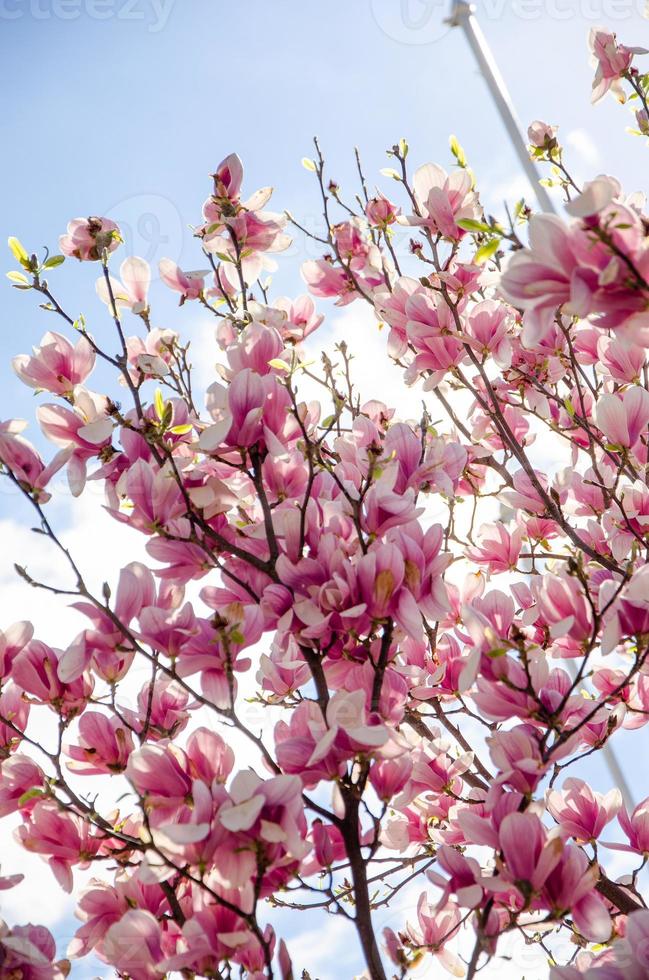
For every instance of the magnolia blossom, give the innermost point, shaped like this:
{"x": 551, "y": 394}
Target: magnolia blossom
{"x": 131, "y": 290}
{"x": 189, "y": 284}
{"x": 612, "y": 61}
{"x": 443, "y": 200}
{"x": 581, "y": 812}
{"x": 56, "y": 366}
{"x": 88, "y": 238}
{"x": 347, "y": 704}
{"x": 541, "y": 135}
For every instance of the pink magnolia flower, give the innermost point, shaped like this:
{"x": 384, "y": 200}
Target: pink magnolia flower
{"x": 190, "y": 285}
{"x": 636, "y": 828}
{"x": 565, "y": 610}
{"x": 443, "y": 200}
{"x": 464, "y": 879}
{"x": 12, "y": 641}
{"x": 434, "y": 930}
{"x": 254, "y": 348}
{"x": 63, "y": 838}
{"x": 150, "y": 357}
{"x": 541, "y": 135}
{"x": 623, "y": 419}
{"x": 19, "y": 775}
{"x": 624, "y": 361}
{"x": 154, "y": 494}
{"x": 103, "y": 745}
{"x": 391, "y": 306}
{"x": 56, "y": 365}
{"x": 497, "y": 548}
{"x": 517, "y": 755}
{"x": 384, "y": 509}
{"x": 570, "y": 887}
{"x": 628, "y": 615}
{"x": 21, "y": 459}
{"x": 228, "y": 178}
{"x": 161, "y": 713}
{"x": 35, "y": 669}
{"x": 160, "y": 775}
{"x": 580, "y": 811}
{"x": 389, "y": 776}
{"x": 134, "y": 945}
{"x": 315, "y": 749}
{"x": 28, "y": 952}
{"x": 283, "y": 672}
{"x": 88, "y": 238}
{"x": 381, "y": 212}
{"x": 81, "y": 433}
{"x": 14, "y": 714}
{"x": 325, "y": 279}
{"x": 488, "y": 325}
{"x": 244, "y": 239}
{"x": 612, "y": 61}
{"x": 132, "y": 291}
{"x": 101, "y": 905}
{"x": 529, "y": 854}
{"x": 436, "y": 771}
{"x": 301, "y": 318}
{"x": 570, "y": 267}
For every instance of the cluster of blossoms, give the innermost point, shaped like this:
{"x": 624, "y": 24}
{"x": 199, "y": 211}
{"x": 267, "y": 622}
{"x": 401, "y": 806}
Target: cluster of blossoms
{"x": 425, "y": 665}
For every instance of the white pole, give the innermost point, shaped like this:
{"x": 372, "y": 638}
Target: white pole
{"x": 462, "y": 16}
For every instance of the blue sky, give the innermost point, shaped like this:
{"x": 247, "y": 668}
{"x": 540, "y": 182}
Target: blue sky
{"x": 123, "y": 107}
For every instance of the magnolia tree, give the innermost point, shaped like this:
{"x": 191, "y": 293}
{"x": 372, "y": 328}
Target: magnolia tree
{"x": 418, "y": 674}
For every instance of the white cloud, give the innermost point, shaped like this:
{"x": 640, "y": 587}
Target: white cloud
{"x": 582, "y": 143}
{"x": 328, "y": 952}
{"x": 493, "y": 194}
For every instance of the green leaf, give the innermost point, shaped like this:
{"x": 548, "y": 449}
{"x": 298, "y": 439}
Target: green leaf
{"x": 181, "y": 430}
{"x": 470, "y": 225}
{"x": 278, "y": 364}
{"x": 53, "y": 261}
{"x": 309, "y": 164}
{"x": 403, "y": 148}
{"x": 31, "y": 794}
{"x": 389, "y": 172}
{"x": 159, "y": 403}
{"x": 457, "y": 151}
{"x": 19, "y": 252}
{"x": 487, "y": 250}
{"x": 17, "y": 277}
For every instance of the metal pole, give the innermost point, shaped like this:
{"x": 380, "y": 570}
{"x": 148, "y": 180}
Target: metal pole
{"x": 462, "y": 16}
